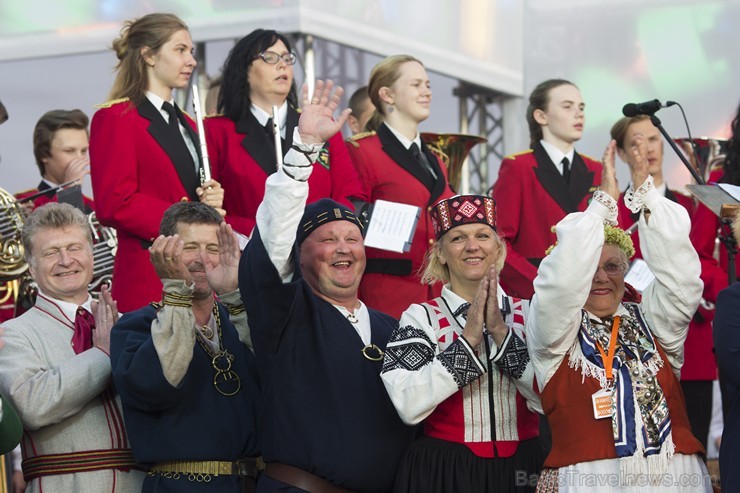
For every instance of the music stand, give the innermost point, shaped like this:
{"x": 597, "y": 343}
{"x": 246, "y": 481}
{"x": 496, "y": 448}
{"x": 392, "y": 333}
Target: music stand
{"x": 725, "y": 207}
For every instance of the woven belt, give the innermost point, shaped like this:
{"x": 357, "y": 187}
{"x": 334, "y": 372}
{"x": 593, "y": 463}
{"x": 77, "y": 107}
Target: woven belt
{"x": 302, "y": 479}
{"x": 74, "y": 462}
{"x": 202, "y": 470}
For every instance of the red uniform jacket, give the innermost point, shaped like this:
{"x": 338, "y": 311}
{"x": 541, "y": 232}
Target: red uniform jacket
{"x": 705, "y": 227}
{"x": 242, "y": 157}
{"x": 138, "y": 170}
{"x": 392, "y": 280}
{"x": 531, "y": 198}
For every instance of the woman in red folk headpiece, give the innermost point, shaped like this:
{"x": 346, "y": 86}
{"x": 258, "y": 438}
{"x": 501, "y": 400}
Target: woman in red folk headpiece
{"x": 459, "y": 365}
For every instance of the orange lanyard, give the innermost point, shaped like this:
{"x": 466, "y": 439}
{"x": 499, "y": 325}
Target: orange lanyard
{"x": 609, "y": 360}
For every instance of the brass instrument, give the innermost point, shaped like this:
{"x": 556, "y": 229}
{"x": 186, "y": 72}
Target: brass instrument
{"x": 452, "y": 149}
{"x": 105, "y": 245}
{"x": 12, "y": 261}
{"x": 711, "y": 153}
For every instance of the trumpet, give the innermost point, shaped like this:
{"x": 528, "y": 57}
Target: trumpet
{"x": 452, "y": 149}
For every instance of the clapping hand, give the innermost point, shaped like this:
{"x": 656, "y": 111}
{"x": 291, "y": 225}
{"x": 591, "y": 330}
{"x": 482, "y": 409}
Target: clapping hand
{"x": 166, "y": 256}
{"x": 105, "y": 312}
{"x": 641, "y": 166}
{"x": 609, "y": 182}
{"x": 224, "y": 277}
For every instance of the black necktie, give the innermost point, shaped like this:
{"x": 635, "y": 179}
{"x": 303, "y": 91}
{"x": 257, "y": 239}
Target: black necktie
{"x": 566, "y": 169}
{"x": 422, "y": 160}
{"x": 174, "y": 125}
{"x": 175, "y": 128}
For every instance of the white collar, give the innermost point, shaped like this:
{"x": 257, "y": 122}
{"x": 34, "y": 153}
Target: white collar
{"x": 403, "y": 140}
{"x": 67, "y": 308}
{"x": 262, "y": 116}
{"x": 157, "y": 101}
{"x": 556, "y": 155}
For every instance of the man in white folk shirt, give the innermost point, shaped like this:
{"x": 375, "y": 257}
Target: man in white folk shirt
{"x": 55, "y": 366}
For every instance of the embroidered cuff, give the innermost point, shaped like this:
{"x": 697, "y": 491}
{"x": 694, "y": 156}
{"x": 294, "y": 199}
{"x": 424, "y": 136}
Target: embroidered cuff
{"x": 301, "y": 154}
{"x": 515, "y": 357}
{"x": 607, "y": 201}
{"x": 635, "y": 199}
{"x": 408, "y": 349}
{"x": 460, "y": 361}
{"x": 232, "y": 301}
{"x": 498, "y": 350}
{"x": 176, "y": 292}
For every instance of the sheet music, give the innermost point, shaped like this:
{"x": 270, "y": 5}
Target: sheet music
{"x": 392, "y": 226}
{"x": 733, "y": 190}
{"x": 639, "y": 276}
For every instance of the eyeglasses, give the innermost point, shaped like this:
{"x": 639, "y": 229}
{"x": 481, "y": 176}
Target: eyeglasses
{"x": 612, "y": 269}
{"x": 272, "y": 58}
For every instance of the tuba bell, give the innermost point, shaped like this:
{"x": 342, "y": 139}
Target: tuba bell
{"x": 452, "y": 149}
{"x": 710, "y": 152}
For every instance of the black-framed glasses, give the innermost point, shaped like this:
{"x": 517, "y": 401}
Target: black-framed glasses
{"x": 613, "y": 269}
{"x": 272, "y": 58}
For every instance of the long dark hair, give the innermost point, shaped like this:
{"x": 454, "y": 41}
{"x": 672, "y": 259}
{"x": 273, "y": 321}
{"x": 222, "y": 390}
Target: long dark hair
{"x": 234, "y": 100}
{"x": 538, "y": 100}
{"x": 732, "y": 161}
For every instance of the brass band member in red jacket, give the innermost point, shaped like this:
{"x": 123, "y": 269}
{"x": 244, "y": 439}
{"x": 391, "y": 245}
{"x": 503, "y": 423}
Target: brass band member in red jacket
{"x": 536, "y": 189}
{"x": 396, "y": 166}
{"x": 258, "y": 75}
{"x": 143, "y": 150}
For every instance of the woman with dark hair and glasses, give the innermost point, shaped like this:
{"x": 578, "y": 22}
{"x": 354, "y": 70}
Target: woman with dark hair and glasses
{"x": 607, "y": 368}
{"x": 257, "y": 75}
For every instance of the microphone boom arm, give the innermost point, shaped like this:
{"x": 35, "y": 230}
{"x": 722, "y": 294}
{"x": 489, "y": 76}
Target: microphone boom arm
{"x": 656, "y": 121}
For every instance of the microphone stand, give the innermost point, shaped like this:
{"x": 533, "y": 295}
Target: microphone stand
{"x": 728, "y": 240}
{"x": 656, "y": 121}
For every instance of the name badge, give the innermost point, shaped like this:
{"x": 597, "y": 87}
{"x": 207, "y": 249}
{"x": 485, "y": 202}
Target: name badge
{"x": 602, "y": 403}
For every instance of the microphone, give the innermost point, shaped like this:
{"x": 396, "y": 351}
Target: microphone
{"x": 646, "y": 108}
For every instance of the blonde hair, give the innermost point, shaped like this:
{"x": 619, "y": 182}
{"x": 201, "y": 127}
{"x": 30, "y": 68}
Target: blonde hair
{"x": 151, "y": 31}
{"x": 384, "y": 74}
{"x": 52, "y": 215}
{"x": 434, "y": 270}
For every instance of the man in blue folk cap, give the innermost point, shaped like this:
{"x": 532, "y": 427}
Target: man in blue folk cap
{"x": 328, "y": 424}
